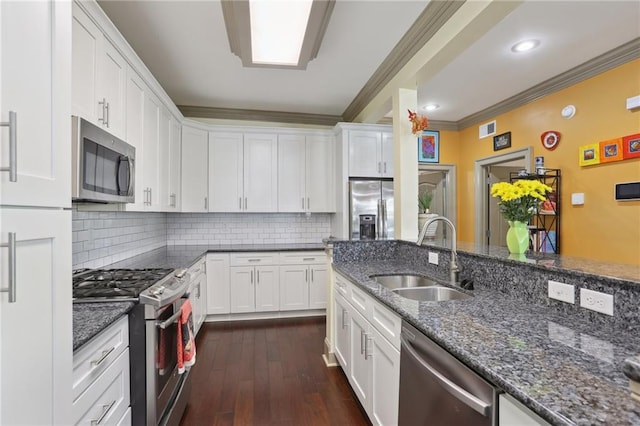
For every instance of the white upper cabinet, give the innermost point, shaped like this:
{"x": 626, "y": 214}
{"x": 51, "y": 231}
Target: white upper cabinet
{"x": 35, "y": 84}
{"x": 243, "y": 172}
{"x": 194, "y": 169}
{"x": 164, "y": 160}
{"x": 305, "y": 173}
{"x": 175, "y": 165}
{"x": 151, "y": 154}
{"x": 136, "y": 89}
{"x": 370, "y": 153}
{"x": 99, "y": 74}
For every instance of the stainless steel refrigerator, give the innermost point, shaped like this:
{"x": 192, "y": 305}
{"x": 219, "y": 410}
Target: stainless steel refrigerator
{"x": 371, "y": 197}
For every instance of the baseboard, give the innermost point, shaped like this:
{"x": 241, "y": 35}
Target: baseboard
{"x": 265, "y": 315}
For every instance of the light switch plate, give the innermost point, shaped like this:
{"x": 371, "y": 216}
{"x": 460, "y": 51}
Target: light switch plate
{"x": 577, "y": 198}
{"x": 596, "y": 301}
{"x": 561, "y": 291}
{"x": 433, "y": 258}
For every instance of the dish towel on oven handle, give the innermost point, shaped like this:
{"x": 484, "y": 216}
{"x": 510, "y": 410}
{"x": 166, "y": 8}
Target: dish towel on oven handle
{"x": 186, "y": 340}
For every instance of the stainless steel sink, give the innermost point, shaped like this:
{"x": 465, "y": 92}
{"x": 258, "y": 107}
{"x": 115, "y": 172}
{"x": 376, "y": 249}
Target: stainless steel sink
{"x": 403, "y": 281}
{"x": 431, "y": 294}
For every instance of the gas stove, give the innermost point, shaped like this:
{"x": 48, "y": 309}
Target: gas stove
{"x": 150, "y": 286}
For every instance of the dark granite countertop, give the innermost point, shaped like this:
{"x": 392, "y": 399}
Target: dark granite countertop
{"x": 632, "y": 368}
{"x": 183, "y": 256}
{"x": 89, "y": 319}
{"x": 567, "y": 370}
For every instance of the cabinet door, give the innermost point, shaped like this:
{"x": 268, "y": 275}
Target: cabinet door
{"x": 35, "y": 83}
{"x": 218, "y": 284}
{"x": 318, "y": 287}
{"x": 164, "y": 144}
{"x": 225, "y": 172}
{"x": 35, "y": 330}
{"x": 359, "y": 367}
{"x": 341, "y": 332}
{"x": 86, "y": 57}
{"x": 260, "y": 165}
{"x": 387, "y": 154}
{"x": 175, "y": 146}
{"x": 294, "y": 287}
{"x": 291, "y": 173}
{"x": 112, "y": 74}
{"x": 194, "y": 169}
{"x": 267, "y": 288}
{"x": 242, "y": 289}
{"x": 151, "y": 135}
{"x": 319, "y": 174}
{"x": 385, "y": 379}
{"x": 364, "y": 153}
{"x": 201, "y": 296}
{"x": 136, "y": 89}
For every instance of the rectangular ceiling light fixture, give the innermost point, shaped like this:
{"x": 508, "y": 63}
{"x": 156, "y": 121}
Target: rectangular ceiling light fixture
{"x": 277, "y": 30}
{"x": 276, "y": 33}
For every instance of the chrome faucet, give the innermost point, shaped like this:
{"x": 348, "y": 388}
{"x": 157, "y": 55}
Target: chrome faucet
{"x": 454, "y": 269}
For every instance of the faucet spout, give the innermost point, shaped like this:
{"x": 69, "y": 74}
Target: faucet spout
{"x": 454, "y": 268}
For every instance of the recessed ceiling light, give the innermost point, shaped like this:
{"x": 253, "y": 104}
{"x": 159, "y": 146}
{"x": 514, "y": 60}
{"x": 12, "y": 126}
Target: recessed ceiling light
{"x": 431, "y": 107}
{"x": 525, "y": 45}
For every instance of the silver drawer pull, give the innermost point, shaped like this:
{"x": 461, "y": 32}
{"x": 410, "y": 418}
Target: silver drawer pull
{"x": 253, "y": 260}
{"x": 11, "y": 289}
{"x": 105, "y": 411}
{"x": 308, "y": 259}
{"x": 13, "y": 141}
{"x": 104, "y": 356}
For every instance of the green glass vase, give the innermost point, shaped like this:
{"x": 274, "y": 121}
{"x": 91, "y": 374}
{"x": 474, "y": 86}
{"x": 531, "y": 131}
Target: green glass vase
{"x": 517, "y": 237}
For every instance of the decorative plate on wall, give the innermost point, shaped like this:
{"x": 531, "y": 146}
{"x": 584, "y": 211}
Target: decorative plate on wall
{"x": 550, "y": 139}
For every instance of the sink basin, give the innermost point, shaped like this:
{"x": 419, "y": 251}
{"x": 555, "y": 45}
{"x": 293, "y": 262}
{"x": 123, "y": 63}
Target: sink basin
{"x": 403, "y": 281}
{"x": 431, "y": 294}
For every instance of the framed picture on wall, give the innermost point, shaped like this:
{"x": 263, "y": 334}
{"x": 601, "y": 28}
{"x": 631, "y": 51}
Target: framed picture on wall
{"x": 589, "y": 154}
{"x": 429, "y": 147}
{"x": 611, "y": 150}
{"x": 631, "y": 146}
{"x": 502, "y": 141}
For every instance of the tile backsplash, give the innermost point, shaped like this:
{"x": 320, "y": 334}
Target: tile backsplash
{"x": 101, "y": 238}
{"x": 246, "y": 228}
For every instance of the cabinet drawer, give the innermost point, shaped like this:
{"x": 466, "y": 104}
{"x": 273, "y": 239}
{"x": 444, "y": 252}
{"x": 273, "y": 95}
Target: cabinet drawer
{"x": 386, "y": 322}
{"x": 360, "y": 300}
{"x": 305, "y": 258}
{"x": 342, "y": 286}
{"x": 106, "y": 400}
{"x": 94, "y": 358}
{"x": 252, "y": 259}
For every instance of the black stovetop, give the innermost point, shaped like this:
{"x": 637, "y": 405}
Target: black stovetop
{"x": 115, "y": 283}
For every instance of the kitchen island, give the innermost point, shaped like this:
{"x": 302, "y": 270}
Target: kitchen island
{"x": 563, "y": 362}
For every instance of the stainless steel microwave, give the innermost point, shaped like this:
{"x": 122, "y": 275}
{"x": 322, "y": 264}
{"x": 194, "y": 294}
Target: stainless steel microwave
{"x": 103, "y": 165}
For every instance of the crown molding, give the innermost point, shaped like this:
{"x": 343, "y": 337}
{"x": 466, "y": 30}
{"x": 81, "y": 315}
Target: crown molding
{"x": 259, "y": 115}
{"x": 433, "y": 124}
{"x": 605, "y": 62}
{"x": 432, "y": 18}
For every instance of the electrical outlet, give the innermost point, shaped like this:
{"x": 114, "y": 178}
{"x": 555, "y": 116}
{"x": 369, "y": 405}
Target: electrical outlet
{"x": 562, "y": 292}
{"x": 433, "y": 258}
{"x": 596, "y": 301}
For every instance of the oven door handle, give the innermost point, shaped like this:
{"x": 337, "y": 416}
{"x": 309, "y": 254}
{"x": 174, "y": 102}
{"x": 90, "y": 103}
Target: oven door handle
{"x": 172, "y": 319}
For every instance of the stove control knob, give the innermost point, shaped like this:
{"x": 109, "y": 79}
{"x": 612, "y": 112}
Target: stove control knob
{"x": 158, "y": 291}
{"x": 179, "y": 273}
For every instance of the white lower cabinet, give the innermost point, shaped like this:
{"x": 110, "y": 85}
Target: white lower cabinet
{"x": 513, "y": 413}
{"x": 254, "y": 289}
{"x": 101, "y": 378}
{"x": 218, "y": 284}
{"x": 367, "y": 346}
{"x": 198, "y": 293}
{"x": 303, "y": 281}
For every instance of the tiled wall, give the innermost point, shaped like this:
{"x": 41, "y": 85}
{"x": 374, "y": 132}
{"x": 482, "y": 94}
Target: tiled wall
{"x": 257, "y": 228}
{"x": 101, "y": 238}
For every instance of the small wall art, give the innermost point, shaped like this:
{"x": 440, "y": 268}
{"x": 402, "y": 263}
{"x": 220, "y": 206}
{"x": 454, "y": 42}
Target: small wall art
{"x": 611, "y": 150}
{"x": 429, "y": 146}
{"x": 502, "y": 141}
{"x": 589, "y": 154}
{"x": 631, "y": 146}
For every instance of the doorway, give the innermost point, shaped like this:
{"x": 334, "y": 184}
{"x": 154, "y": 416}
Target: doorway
{"x": 490, "y": 227}
{"x": 440, "y": 179}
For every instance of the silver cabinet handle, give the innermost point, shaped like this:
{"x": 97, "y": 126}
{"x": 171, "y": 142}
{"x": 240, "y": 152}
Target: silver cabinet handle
{"x": 104, "y": 356}
{"x": 344, "y": 314}
{"x": 362, "y": 334}
{"x": 302, "y": 203}
{"x": 11, "y": 289}
{"x": 258, "y": 277}
{"x": 198, "y": 296}
{"x": 245, "y": 203}
{"x": 103, "y": 102}
{"x": 465, "y": 397}
{"x": 150, "y": 196}
{"x": 379, "y": 169}
{"x": 308, "y": 203}
{"x": 306, "y": 275}
{"x": 13, "y": 145}
{"x": 251, "y": 277}
{"x": 206, "y": 203}
{"x": 367, "y": 355}
{"x": 105, "y": 411}
{"x": 240, "y": 201}
{"x": 173, "y": 200}
{"x": 253, "y": 260}
{"x": 106, "y": 108}
{"x": 385, "y": 167}
{"x": 312, "y": 275}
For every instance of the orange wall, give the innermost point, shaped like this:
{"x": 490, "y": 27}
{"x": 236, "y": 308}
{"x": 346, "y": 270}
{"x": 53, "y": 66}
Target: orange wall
{"x": 601, "y": 228}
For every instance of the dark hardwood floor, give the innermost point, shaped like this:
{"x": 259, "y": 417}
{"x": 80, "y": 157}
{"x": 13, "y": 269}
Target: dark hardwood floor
{"x": 268, "y": 372}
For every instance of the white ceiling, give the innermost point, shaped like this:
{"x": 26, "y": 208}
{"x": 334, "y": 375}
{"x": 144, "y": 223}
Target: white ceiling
{"x": 185, "y": 45}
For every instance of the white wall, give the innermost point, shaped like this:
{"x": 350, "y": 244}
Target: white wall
{"x": 246, "y": 228}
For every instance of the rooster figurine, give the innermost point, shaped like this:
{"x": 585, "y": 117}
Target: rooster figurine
{"x": 418, "y": 122}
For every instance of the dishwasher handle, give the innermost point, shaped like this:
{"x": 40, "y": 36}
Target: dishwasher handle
{"x": 468, "y": 399}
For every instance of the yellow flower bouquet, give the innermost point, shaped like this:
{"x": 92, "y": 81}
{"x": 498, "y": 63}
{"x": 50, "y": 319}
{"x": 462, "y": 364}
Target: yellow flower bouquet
{"x": 518, "y": 200}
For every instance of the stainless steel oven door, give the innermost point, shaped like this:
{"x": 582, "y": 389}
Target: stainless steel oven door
{"x": 163, "y": 380}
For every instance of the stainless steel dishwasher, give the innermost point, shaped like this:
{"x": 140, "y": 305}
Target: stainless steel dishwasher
{"x": 437, "y": 389}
